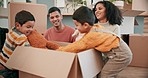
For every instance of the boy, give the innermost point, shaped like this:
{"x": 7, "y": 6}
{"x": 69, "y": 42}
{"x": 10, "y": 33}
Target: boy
{"x": 118, "y": 53}
{"x": 24, "y": 23}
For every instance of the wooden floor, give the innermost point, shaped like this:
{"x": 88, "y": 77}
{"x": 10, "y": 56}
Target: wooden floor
{"x": 134, "y": 72}
{"x": 131, "y": 72}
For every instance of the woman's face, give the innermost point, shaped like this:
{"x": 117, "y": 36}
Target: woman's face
{"x": 100, "y": 12}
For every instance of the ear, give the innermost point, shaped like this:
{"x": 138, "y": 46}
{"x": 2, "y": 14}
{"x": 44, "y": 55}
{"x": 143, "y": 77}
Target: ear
{"x": 17, "y": 25}
{"x": 86, "y": 25}
{"x": 61, "y": 16}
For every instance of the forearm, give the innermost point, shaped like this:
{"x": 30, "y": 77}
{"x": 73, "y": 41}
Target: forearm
{"x": 90, "y": 40}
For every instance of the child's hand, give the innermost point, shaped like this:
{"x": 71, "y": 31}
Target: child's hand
{"x": 60, "y": 49}
{"x": 76, "y": 33}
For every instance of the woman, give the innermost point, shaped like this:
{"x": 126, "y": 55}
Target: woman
{"x": 108, "y": 15}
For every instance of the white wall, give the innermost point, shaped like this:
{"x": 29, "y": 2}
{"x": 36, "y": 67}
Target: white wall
{"x": 4, "y": 23}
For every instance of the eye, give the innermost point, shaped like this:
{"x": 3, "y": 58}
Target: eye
{"x": 57, "y": 16}
{"x": 77, "y": 25}
{"x": 99, "y": 8}
{"x": 29, "y": 26}
{"x": 51, "y": 17}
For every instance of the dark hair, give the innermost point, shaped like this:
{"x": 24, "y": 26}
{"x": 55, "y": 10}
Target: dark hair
{"x": 53, "y": 9}
{"x": 84, "y": 14}
{"x": 24, "y": 16}
{"x": 113, "y": 13}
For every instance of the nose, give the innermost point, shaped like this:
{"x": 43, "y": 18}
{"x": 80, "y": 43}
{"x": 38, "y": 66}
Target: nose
{"x": 96, "y": 11}
{"x": 54, "y": 18}
{"x": 31, "y": 29}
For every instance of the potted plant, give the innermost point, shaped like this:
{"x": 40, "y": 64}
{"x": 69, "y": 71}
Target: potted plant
{"x": 1, "y": 3}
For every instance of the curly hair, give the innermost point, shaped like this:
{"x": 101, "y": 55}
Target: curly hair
{"x": 113, "y": 14}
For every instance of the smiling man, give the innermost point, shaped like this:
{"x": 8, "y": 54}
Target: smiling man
{"x": 59, "y": 31}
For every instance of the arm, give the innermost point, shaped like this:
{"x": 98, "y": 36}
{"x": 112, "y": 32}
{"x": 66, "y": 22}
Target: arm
{"x": 90, "y": 40}
{"x": 117, "y": 30}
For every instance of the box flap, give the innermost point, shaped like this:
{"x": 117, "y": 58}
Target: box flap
{"x": 132, "y": 13}
{"x": 90, "y": 63}
{"x": 41, "y": 62}
{"x": 27, "y": 75}
{"x": 75, "y": 71}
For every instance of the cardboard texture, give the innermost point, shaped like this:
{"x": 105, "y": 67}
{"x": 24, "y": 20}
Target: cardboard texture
{"x": 131, "y": 13}
{"x": 38, "y": 10}
{"x": 43, "y": 63}
{"x": 140, "y": 5}
{"x": 138, "y": 44}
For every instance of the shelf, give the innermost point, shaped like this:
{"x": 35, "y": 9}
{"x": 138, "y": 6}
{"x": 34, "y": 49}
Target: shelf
{"x": 67, "y": 14}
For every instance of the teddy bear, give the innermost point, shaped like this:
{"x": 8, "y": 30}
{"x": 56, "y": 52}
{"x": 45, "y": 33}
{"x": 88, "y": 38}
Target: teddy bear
{"x": 37, "y": 40}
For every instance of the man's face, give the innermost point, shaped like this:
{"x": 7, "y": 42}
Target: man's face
{"x": 55, "y": 18}
{"x": 25, "y": 28}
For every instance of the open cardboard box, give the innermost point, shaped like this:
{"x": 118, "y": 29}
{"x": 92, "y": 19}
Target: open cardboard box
{"x": 42, "y": 63}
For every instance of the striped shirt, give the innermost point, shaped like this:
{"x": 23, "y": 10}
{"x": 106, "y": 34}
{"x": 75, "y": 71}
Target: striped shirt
{"x": 14, "y": 38}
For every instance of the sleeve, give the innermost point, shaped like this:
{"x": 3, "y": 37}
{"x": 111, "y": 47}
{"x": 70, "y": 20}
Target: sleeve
{"x": 20, "y": 40}
{"x": 90, "y": 40}
{"x": 117, "y": 30}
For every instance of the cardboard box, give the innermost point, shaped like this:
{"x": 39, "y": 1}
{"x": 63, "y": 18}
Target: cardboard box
{"x": 43, "y": 63}
{"x": 140, "y": 5}
{"x": 138, "y": 44}
{"x": 39, "y": 11}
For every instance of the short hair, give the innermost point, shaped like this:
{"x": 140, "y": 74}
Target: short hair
{"x": 84, "y": 14}
{"x": 113, "y": 14}
{"x": 24, "y": 16}
{"x": 53, "y": 9}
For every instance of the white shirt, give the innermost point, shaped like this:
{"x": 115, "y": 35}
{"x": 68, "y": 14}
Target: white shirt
{"x": 113, "y": 28}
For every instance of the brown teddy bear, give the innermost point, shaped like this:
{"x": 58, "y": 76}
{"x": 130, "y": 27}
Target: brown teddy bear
{"x": 37, "y": 40}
